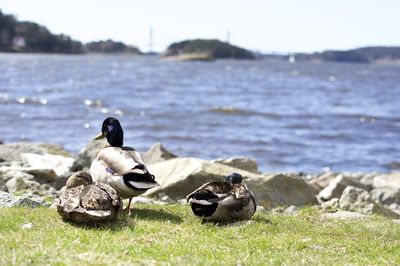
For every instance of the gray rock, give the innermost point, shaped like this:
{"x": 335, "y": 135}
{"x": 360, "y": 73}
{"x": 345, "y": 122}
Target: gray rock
{"x": 180, "y": 176}
{"x": 12, "y": 173}
{"x": 145, "y": 200}
{"x": 320, "y": 182}
{"x": 13, "y": 151}
{"x": 239, "y": 162}
{"x": 336, "y": 187}
{"x": 88, "y": 154}
{"x": 368, "y": 179}
{"x": 359, "y": 200}
{"x": 59, "y": 164}
{"x": 16, "y": 184}
{"x": 157, "y": 153}
{"x": 47, "y": 175}
{"x": 291, "y": 210}
{"x": 281, "y": 190}
{"x": 9, "y": 200}
{"x": 386, "y": 195}
{"x": 261, "y": 209}
{"x": 2, "y": 185}
{"x": 343, "y": 215}
{"x": 332, "y": 204}
{"x": 387, "y": 180}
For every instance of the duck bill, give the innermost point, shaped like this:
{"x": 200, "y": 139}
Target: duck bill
{"x": 100, "y": 136}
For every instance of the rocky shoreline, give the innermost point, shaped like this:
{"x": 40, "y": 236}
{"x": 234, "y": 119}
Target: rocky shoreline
{"x": 34, "y": 174}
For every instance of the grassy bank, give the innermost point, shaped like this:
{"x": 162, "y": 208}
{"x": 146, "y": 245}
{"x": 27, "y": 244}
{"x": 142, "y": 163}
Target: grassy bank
{"x": 171, "y": 235}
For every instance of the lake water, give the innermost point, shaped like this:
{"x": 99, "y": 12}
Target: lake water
{"x": 289, "y": 117}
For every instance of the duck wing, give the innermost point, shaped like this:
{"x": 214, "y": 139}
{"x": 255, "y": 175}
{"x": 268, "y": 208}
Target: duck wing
{"x": 121, "y": 160}
{"x": 70, "y": 200}
{"x": 210, "y": 193}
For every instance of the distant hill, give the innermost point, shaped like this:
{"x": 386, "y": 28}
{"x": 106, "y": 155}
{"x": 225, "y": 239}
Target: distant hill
{"x": 110, "y": 46}
{"x": 202, "y": 49}
{"x": 360, "y": 55}
{"x": 23, "y": 36}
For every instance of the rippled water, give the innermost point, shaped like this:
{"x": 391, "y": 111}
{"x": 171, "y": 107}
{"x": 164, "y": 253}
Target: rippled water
{"x": 289, "y": 117}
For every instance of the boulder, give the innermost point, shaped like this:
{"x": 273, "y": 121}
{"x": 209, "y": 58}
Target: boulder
{"x": 281, "y": 190}
{"x": 239, "y": 162}
{"x": 47, "y": 175}
{"x": 180, "y": 176}
{"x": 336, "y": 187}
{"x": 9, "y": 200}
{"x": 59, "y": 164}
{"x": 368, "y": 179}
{"x": 386, "y": 195}
{"x": 320, "y": 182}
{"x": 88, "y": 154}
{"x": 157, "y": 153}
{"x": 16, "y": 184}
{"x": 387, "y": 180}
{"x": 13, "y": 151}
{"x": 359, "y": 200}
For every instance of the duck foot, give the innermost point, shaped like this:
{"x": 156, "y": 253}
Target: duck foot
{"x": 128, "y": 208}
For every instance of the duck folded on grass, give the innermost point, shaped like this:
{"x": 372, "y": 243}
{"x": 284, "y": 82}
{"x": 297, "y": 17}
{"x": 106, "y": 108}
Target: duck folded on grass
{"x": 227, "y": 200}
{"x": 119, "y": 166}
{"x": 86, "y": 202}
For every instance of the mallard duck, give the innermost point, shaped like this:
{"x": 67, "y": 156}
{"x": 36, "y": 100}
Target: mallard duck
{"x": 227, "y": 200}
{"x": 86, "y": 202}
{"x": 120, "y": 167}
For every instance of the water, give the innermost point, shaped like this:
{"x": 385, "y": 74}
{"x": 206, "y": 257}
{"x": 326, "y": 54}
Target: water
{"x": 289, "y": 117}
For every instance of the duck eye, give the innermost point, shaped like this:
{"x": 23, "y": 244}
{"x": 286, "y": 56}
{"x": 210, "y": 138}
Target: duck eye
{"x": 110, "y": 127}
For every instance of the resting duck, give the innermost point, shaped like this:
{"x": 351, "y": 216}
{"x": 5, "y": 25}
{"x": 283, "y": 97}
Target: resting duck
{"x": 223, "y": 201}
{"x": 120, "y": 167}
{"x": 86, "y": 202}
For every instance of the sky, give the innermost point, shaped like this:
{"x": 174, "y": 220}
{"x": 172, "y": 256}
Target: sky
{"x": 280, "y": 26}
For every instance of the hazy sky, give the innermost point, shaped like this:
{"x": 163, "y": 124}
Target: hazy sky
{"x": 265, "y": 25}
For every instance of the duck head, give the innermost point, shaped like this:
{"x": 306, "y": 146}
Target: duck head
{"x": 79, "y": 178}
{"x": 234, "y": 178}
{"x": 112, "y": 130}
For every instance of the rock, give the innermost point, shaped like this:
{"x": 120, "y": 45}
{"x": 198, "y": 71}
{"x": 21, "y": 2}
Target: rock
{"x": 387, "y": 180}
{"x": 359, "y": 200}
{"x": 180, "y": 176}
{"x": 7, "y": 175}
{"x": 368, "y": 179}
{"x": 13, "y": 151}
{"x": 330, "y": 205}
{"x": 343, "y": 215}
{"x": 9, "y": 200}
{"x": 16, "y": 184}
{"x": 145, "y": 200}
{"x": 386, "y": 195}
{"x": 27, "y": 226}
{"x": 336, "y": 187}
{"x": 38, "y": 173}
{"x": 281, "y": 190}
{"x": 59, "y": 164}
{"x": 322, "y": 181}
{"x": 2, "y": 185}
{"x": 239, "y": 162}
{"x": 291, "y": 210}
{"x": 261, "y": 209}
{"x": 157, "y": 153}
{"x": 394, "y": 207}
{"x": 88, "y": 154}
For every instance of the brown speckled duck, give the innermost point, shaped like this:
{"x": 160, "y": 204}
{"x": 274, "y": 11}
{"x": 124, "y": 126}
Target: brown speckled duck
{"x": 227, "y": 200}
{"x": 119, "y": 166}
{"x": 86, "y": 202}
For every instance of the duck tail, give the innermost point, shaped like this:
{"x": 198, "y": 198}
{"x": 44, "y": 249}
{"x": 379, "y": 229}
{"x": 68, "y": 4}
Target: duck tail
{"x": 140, "y": 181}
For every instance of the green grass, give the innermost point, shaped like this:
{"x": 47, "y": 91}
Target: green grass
{"x": 172, "y": 235}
